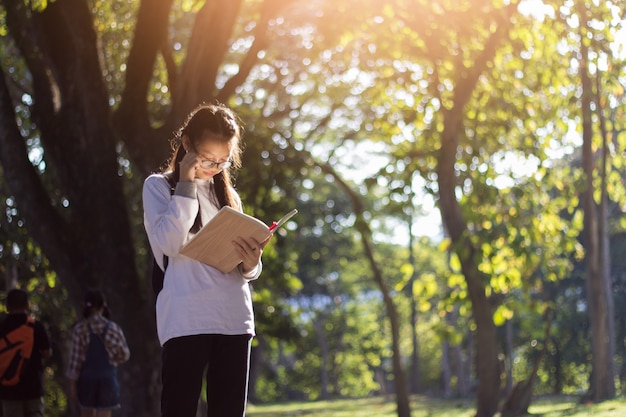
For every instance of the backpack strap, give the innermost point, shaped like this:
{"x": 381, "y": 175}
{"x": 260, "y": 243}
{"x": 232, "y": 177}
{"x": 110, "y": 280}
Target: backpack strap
{"x": 30, "y": 322}
{"x": 158, "y": 274}
{"x": 106, "y": 328}
{"x": 102, "y": 335}
{"x": 169, "y": 176}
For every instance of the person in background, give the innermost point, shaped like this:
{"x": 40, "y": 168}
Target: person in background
{"x": 98, "y": 347}
{"x": 205, "y": 320}
{"x": 25, "y": 399}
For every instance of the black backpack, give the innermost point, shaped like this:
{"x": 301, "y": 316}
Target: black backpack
{"x": 158, "y": 274}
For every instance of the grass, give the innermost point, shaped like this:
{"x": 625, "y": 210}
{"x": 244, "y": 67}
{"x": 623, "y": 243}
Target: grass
{"x": 421, "y": 406}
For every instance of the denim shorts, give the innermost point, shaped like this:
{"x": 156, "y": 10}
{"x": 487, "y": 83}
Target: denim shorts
{"x": 98, "y": 393}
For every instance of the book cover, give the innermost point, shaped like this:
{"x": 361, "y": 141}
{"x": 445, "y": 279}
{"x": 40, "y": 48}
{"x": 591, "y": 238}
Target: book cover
{"x": 212, "y": 244}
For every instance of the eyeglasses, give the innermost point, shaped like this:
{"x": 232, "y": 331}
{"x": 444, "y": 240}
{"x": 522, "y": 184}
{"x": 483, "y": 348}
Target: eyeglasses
{"x": 209, "y": 164}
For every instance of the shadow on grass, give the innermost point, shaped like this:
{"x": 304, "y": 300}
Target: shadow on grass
{"x": 573, "y": 410}
{"x": 566, "y": 406}
{"x": 375, "y": 406}
{"x": 365, "y": 407}
{"x": 421, "y": 406}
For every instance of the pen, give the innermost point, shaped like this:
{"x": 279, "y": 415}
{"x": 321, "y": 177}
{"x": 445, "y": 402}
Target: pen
{"x": 276, "y": 225}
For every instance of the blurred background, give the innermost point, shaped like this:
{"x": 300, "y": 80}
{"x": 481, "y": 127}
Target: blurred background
{"x": 458, "y": 167}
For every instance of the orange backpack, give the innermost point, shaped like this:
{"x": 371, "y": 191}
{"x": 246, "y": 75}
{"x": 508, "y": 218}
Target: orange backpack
{"x": 15, "y": 349}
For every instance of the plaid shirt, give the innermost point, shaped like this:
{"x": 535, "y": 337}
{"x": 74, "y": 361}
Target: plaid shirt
{"x": 114, "y": 341}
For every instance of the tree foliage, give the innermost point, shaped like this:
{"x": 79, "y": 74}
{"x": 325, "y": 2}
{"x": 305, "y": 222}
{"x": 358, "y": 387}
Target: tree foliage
{"x": 473, "y": 104}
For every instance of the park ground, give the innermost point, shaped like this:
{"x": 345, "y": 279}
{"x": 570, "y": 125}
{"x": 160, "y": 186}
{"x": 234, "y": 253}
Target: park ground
{"x": 559, "y": 406}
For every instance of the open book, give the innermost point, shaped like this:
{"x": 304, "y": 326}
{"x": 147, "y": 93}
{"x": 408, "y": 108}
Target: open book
{"x": 212, "y": 244}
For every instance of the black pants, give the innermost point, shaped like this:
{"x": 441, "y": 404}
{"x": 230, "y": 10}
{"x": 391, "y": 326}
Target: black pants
{"x": 226, "y": 360}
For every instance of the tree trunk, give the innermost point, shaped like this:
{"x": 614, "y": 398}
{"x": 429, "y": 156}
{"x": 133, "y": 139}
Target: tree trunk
{"x": 88, "y": 239}
{"x": 487, "y": 364}
{"x": 520, "y": 397}
{"x": 464, "y": 372}
{"x": 602, "y": 384}
{"x": 508, "y": 356}
{"x": 446, "y": 370}
{"x": 454, "y": 362}
{"x": 605, "y": 244}
{"x": 256, "y": 361}
{"x": 414, "y": 376}
{"x": 400, "y": 379}
{"x": 325, "y": 365}
{"x": 463, "y": 369}
{"x": 558, "y": 371}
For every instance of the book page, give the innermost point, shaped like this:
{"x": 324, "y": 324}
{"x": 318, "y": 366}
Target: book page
{"x": 213, "y": 243}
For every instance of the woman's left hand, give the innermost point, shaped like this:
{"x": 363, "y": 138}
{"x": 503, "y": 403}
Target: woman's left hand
{"x": 250, "y": 251}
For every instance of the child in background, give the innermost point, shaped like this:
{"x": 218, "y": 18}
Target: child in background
{"x": 98, "y": 347}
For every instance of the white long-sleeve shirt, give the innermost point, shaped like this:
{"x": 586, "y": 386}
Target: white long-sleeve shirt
{"x": 196, "y": 298}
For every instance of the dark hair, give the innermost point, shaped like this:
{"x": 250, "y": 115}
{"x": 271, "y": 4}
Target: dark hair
{"x": 93, "y": 301}
{"x": 222, "y": 124}
{"x": 17, "y": 300}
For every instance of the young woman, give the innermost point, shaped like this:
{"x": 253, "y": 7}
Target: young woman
{"x": 98, "y": 347}
{"x": 205, "y": 320}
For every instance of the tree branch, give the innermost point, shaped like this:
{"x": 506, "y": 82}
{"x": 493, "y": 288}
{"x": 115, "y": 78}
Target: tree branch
{"x": 45, "y": 224}
{"x": 465, "y": 85}
{"x": 467, "y": 80}
{"x": 207, "y": 48}
{"x": 131, "y": 120}
{"x": 261, "y": 40}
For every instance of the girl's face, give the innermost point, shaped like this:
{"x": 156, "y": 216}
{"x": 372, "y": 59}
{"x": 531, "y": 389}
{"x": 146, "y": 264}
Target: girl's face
{"x": 213, "y": 156}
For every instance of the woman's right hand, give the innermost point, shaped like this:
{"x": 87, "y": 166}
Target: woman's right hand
{"x": 188, "y": 166}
